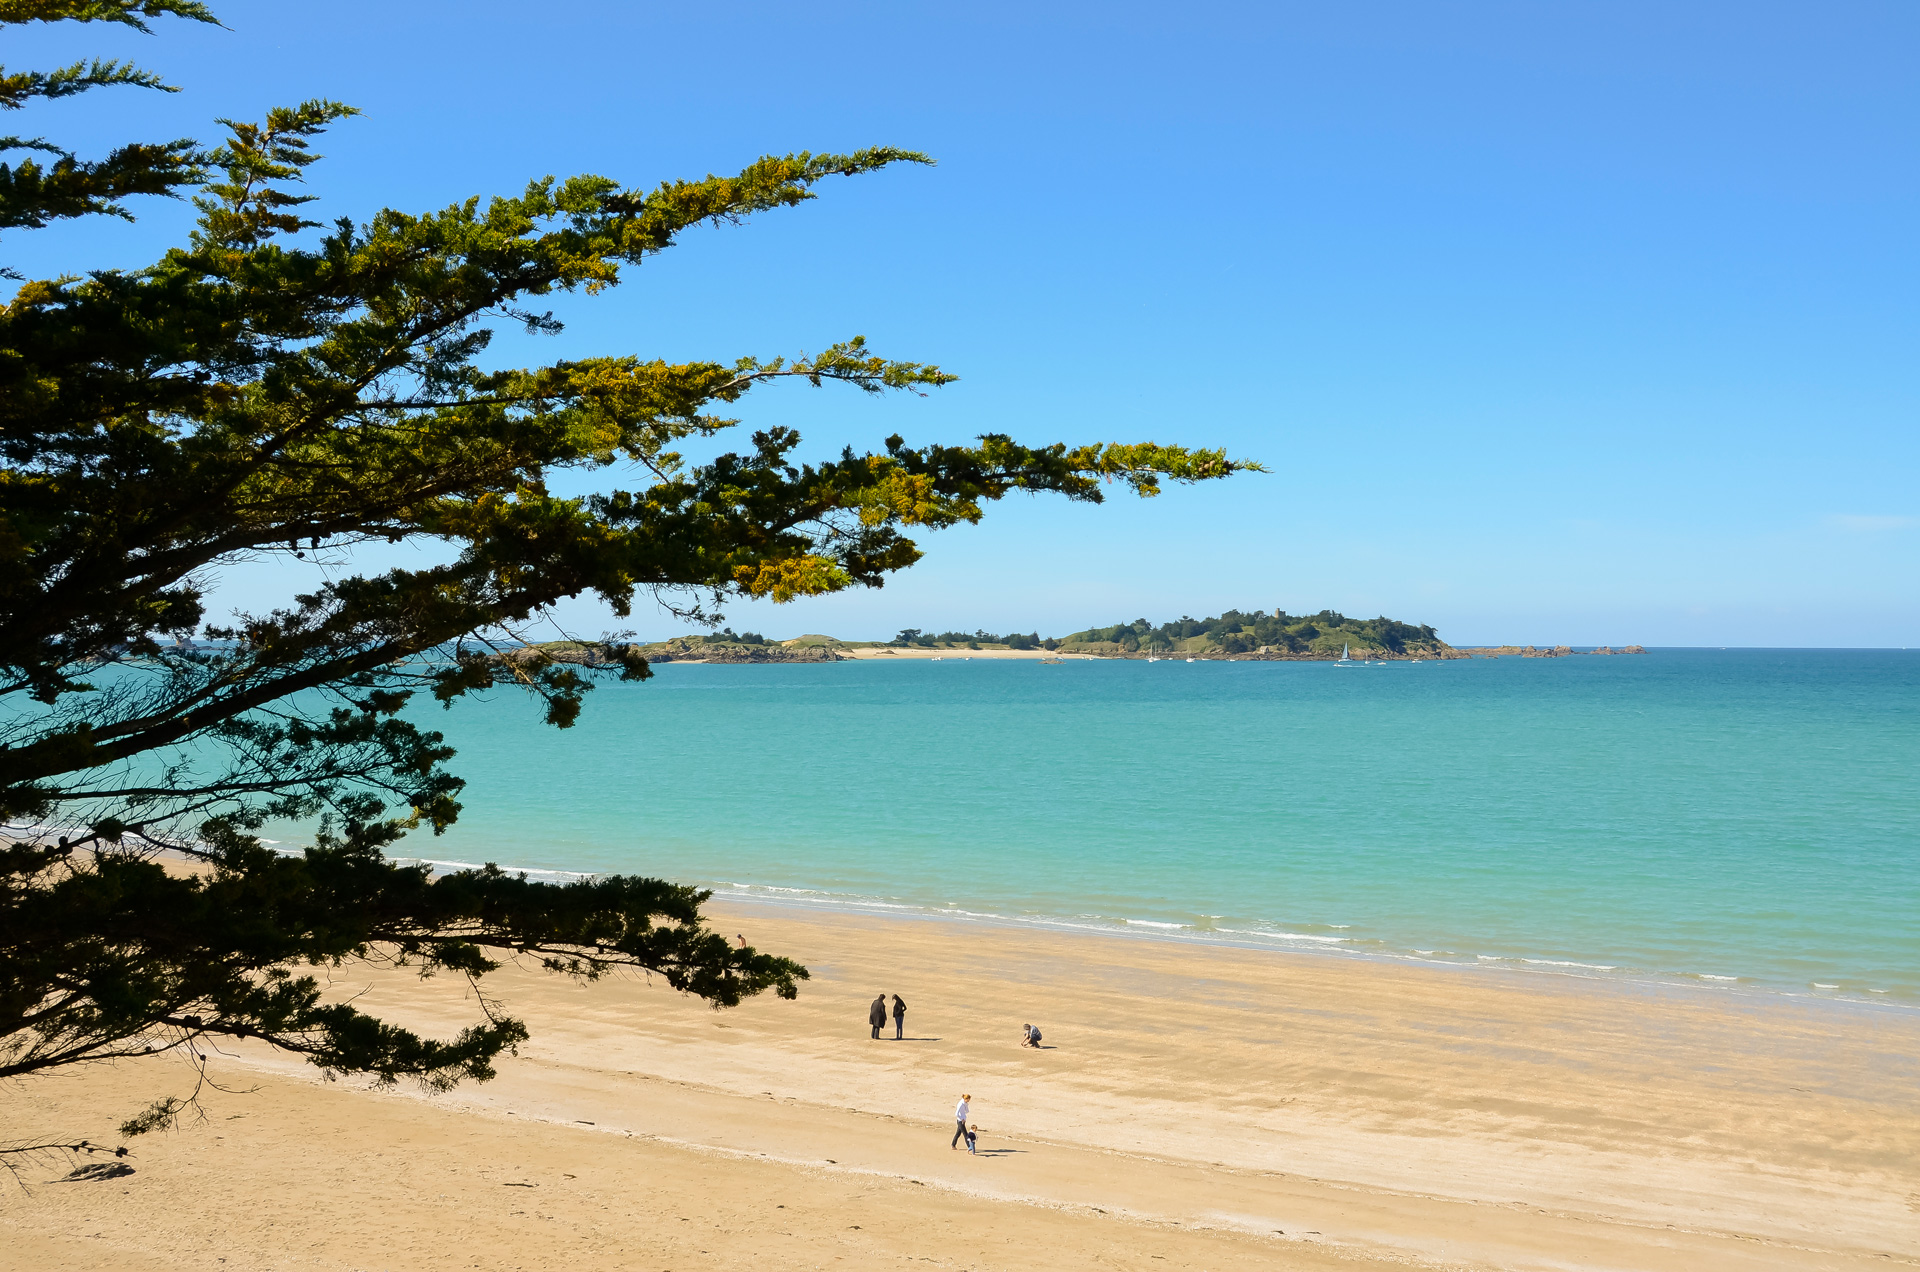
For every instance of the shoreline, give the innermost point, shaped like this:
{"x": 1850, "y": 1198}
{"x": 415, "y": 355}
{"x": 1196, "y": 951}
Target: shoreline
{"x": 1201, "y": 1105}
{"x": 1746, "y": 988}
{"x": 1278, "y": 942}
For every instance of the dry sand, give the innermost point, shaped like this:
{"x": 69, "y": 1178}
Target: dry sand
{"x": 1197, "y": 1107}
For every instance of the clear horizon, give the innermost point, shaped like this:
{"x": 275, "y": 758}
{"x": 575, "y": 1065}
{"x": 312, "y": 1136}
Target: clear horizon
{"x": 1590, "y": 325}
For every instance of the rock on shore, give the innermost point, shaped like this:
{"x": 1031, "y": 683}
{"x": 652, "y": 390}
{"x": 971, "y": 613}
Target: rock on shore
{"x": 692, "y": 651}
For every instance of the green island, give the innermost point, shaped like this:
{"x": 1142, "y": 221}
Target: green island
{"x": 1252, "y": 635}
{"x": 1263, "y": 634}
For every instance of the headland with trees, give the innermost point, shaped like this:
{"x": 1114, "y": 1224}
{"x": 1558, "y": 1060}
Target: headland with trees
{"x": 1237, "y": 634}
{"x": 1250, "y": 635}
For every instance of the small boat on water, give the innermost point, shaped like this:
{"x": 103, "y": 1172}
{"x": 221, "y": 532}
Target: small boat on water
{"x": 1346, "y": 660}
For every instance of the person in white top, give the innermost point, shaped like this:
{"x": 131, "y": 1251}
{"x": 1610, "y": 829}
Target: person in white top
{"x": 961, "y": 1112}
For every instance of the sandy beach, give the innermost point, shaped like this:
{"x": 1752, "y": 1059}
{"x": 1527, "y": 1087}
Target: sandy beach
{"x": 1196, "y": 1106}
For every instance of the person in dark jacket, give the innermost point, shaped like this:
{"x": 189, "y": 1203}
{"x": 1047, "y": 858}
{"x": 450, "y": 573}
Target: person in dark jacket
{"x": 877, "y": 1014}
{"x": 899, "y": 1018}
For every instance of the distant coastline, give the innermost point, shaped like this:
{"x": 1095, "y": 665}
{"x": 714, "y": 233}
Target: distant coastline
{"x": 1235, "y": 636}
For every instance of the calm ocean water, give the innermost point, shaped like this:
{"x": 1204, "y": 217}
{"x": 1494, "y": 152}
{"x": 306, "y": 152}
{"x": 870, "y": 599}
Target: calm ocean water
{"x": 1738, "y": 817}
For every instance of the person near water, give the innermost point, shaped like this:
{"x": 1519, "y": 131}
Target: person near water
{"x": 961, "y": 1113}
{"x": 877, "y": 1014}
{"x": 1029, "y": 1036}
{"x": 899, "y": 1018}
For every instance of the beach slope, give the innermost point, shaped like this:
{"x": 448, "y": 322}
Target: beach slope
{"x": 1195, "y": 1107}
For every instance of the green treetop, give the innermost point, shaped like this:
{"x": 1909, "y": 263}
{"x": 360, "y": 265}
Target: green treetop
{"x": 1241, "y": 632}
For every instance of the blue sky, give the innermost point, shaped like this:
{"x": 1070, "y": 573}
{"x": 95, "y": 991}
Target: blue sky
{"x": 1581, "y": 322}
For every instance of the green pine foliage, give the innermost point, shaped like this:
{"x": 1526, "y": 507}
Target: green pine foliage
{"x": 974, "y": 639}
{"x": 277, "y": 387}
{"x": 126, "y": 943}
{"x": 35, "y": 192}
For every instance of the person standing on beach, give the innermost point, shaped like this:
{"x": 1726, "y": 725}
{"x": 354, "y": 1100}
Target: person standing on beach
{"x": 960, "y": 1114}
{"x": 877, "y": 1014}
{"x": 899, "y": 1018}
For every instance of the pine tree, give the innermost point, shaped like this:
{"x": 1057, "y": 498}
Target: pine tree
{"x": 279, "y": 388}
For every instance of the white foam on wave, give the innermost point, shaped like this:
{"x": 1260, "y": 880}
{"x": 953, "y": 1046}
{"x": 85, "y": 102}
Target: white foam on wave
{"x": 1091, "y": 923}
{"x": 836, "y": 900}
{"x": 532, "y": 872}
{"x": 748, "y": 891}
{"x": 1204, "y": 931}
{"x": 1285, "y": 936}
{"x": 1546, "y": 962}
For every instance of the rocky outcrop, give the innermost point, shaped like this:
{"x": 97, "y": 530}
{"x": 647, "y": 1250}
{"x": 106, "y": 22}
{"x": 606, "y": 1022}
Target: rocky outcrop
{"x": 679, "y": 649}
{"x": 698, "y": 649}
{"x": 573, "y": 652}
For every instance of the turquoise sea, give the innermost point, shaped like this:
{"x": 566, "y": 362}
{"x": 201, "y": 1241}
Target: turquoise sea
{"x": 1724, "y": 818}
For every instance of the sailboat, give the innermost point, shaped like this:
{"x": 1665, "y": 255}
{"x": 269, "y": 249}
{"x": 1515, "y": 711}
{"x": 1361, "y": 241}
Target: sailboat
{"x": 1345, "y": 660}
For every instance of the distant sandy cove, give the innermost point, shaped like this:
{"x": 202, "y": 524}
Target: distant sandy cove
{"x": 1195, "y": 1106}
